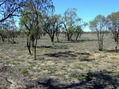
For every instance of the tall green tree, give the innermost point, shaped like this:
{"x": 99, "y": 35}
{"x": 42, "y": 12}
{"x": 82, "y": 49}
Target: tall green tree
{"x": 99, "y": 25}
{"x": 32, "y": 20}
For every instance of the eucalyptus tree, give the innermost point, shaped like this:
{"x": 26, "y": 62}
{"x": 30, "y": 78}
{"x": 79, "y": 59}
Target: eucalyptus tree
{"x": 99, "y": 25}
{"x": 78, "y": 32}
{"x": 69, "y": 20}
{"x": 113, "y": 26}
{"x": 78, "y": 28}
{"x": 52, "y": 25}
{"x": 8, "y": 29}
{"x": 10, "y": 8}
{"x": 32, "y": 21}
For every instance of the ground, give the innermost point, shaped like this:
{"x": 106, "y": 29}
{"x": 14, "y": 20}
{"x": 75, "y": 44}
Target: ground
{"x": 63, "y": 65}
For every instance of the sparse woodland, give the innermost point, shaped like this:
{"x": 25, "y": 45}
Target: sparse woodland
{"x": 43, "y": 50}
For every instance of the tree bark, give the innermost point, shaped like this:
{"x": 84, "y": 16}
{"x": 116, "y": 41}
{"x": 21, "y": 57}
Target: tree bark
{"x": 100, "y": 44}
{"x": 57, "y": 37}
{"x": 29, "y": 46}
{"x": 51, "y": 37}
{"x": 77, "y": 36}
{"x": 68, "y": 37}
{"x": 35, "y": 44}
{"x": 116, "y": 47}
{"x": 2, "y": 37}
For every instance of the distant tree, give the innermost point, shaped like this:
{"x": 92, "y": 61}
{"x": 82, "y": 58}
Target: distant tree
{"x": 99, "y": 25}
{"x": 78, "y": 28}
{"x": 2, "y": 33}
{"x": 12, "y": 31}
{"x": 70, "y": 20}
{"x": 113, "y": 26}
{"x": 78, "y": 32}
{"x": 8, "y": 30}
{"x": 52, "y": 25}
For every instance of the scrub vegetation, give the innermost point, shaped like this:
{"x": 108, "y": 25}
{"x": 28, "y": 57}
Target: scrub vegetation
{"x": 50, "y": 51}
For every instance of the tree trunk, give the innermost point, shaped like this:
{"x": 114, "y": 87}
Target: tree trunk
{"x": 100, "y": 49}
{"x": 35, "y": 44}
{"x": 68, "y": 37}
{"x": 57, "y": 37}
{"x": 77, "y": 36}
{"x": 29, "y": 46}
{"x": 13, "y": 41}
{"x": 100, "y": 44}
{"x": 52, "y": 38}
{"x": 116, "y": 47}
{"x": 34, "y": 52}
{"x": 3, "y": 39}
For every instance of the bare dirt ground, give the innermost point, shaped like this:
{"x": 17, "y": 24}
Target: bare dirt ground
{"x": 64, "y": 65}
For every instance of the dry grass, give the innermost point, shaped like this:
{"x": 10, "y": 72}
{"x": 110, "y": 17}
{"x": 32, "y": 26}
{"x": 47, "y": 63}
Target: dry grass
{"x": 67, "y": 62}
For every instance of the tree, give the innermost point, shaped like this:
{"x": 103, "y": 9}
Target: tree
{"x": 32, "y": 21}
{"x": 78, "y": 32}
{"x": 113, "y": 26}
{"x": 52, "y": 25}
{"x": 8, "y": 30}
{"x": 78, "y": 29}
{"x": 99, "y": 25}
{"x": 2, "y": 32}
{"x": 10, "y": 8}
{"x": 69, "y": 20}
{"x": 11, "y": 31}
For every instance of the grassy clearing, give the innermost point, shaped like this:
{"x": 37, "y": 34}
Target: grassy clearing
{"x": 67, "y": 62}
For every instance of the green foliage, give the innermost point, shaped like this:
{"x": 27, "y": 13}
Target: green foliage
{"x": 78, "y": 29}
{"x": 52, "y": 25}
{"x": 70, "y": 17}
{"x": 32, "y": 20}
{"x": 98, "y": 24}
{"x": 113, "y": 18}
{"x": 72, "y": 24}
{"x": 113, "y": 26}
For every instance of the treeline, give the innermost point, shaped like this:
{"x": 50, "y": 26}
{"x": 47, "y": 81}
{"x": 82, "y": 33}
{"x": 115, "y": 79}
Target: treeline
{"x": 37, "y": 18}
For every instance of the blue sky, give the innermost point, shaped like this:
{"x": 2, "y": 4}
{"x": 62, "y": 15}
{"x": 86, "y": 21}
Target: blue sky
{"x": 87, "y": 9}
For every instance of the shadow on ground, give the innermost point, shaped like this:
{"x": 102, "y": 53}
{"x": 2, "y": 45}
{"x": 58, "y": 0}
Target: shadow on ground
{"x": 71, "y": 54}
{"x": 78, "y": 41}
{"x": 88, "y": 54}
{"x": 87, "y": 59}
{"x": 93, "y": 80}
{"x": 62, "y": 54}
{"x": 54, "y": 46}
